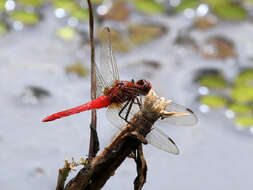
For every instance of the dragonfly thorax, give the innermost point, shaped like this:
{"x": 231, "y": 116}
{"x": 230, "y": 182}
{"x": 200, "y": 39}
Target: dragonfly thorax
{"x": 122, "y": 91}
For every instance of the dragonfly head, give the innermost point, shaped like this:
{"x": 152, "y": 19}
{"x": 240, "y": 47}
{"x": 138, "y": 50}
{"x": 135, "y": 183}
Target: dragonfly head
{"x": 144, "y": 86}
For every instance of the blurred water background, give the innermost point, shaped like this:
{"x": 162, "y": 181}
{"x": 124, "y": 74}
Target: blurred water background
{"x": 196, "y": 52}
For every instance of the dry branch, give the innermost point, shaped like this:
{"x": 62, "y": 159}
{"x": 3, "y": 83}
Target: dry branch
{"x": 104, "y": 165}
{"x": 94, "y": 142}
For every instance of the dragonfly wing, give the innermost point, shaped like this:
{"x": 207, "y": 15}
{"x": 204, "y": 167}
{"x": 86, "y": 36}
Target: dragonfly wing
{"x": 108, "y": 67}
{"x": 160, "y": 140}
{"x": 100, "y": 83}
{"x": 180, "y": 115}
{"x": 112, "y": 114}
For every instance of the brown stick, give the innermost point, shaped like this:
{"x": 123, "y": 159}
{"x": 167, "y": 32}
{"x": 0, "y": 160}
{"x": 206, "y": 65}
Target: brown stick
{"x": 141, "y": 169}
{"x": 104, "y": 165}
{"x": 62, "y": 175}
{"x": 94, "y": 142}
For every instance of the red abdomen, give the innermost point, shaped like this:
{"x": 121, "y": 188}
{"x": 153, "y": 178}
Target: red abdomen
{"x": 100, "y": 102}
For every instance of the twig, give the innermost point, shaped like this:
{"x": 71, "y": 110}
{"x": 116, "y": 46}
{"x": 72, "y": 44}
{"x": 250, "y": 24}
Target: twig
{"x": 104, "y": 165}
{"x": 141, "y": 169}
{"x": 62, "y": 175}
{"x": 94, "y": 142}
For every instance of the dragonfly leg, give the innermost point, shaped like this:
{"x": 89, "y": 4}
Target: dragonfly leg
{"x": 139, "y": 102}
{"x": 122, "y": 109}
{"x": 128, "y": 110}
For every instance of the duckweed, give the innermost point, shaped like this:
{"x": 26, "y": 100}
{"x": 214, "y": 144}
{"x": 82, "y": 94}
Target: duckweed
{"x": 214, "y": 101}
{"x": 245, "y": 78}
{"x": 2, "y": 5}
{"x": 26, "y": 18}
{"x": 215, "y": 82}
{"x": 149, "y": 6}
{"x": 245, "y": 121}
{"x": 34, "y": 3}
{"x": 187, "y": 4}
{"x": 242, "y": 94}
{"x": 230, "y": 11}
{"x": 241, "y": 109}
{"x": 142, "y": 33}
{"x": 67, "y": 5}
{"x": 3, "y": 29}
{"x": 81, "y": 14}
{"x": 66, "y": 33}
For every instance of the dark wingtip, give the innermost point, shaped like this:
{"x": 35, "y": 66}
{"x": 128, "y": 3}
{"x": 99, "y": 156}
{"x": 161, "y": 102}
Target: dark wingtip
{"x": 108, "y": 29}
{"x": 189, "y": 110}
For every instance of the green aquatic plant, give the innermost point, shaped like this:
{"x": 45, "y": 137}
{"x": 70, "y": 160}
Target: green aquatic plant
{"x": 185, "y": 4}
{"x": 245, "y": 78}
{"x": 215, "y": 82}
{"x": 149, "y": 6}
{"x": 142, "y": 33}
{"x": 2, "y": 5}
{"x": 26, "y": 18}
{"x": 242, "y": 94}
{"x": 81, "y": 14}
{"x": 67, "y": 5}
{"x": 214, "y": 101}
{"x": 230, "y": 11}
{"x": 224, "y": 9}
{"x": 34, "y": 3}
{"x": 3, "y": 28}
{"x": 240, "y": 109}
{"x": 66, "y": 33}
{"x": 244, "y": 121}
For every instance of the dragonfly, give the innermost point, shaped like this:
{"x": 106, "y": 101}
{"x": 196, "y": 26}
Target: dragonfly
{"x": 123, "y": 99}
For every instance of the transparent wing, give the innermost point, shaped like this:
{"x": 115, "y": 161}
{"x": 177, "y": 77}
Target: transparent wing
{"x": 112, "y": 114}
{"x": 156, "y": 137}
{"x": 179, "y": 115}
{"x": 160, "y": 140}
{"x": 100, "y": 83}
{"x": 107, "y": 67}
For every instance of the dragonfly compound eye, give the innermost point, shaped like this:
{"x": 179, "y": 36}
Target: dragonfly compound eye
{"x": 144, "y": 85}
{"x": 140, "y": 82}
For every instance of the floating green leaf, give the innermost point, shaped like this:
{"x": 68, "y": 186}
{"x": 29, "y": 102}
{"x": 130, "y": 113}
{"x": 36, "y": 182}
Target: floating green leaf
{"x": 67, "y": 5}
{"x": 77, "y": 68}
{"x": 66, "y": 33}
{"x": 187, "y": 4}
{"x": 230, "y": 11}
{"x": 245, "y": 78}
{"x": 149, "y": 6}
{"x": 81, "y": 14}
{"x": 240, "y": 109}
{"x": 214, "y": 101}
{"x": 249, "y": 1}
{"x": 25, "y": 17}
{"x": 143, "y": 33}
{"x": 245, "y": 121}
{"x": 216, "y": 82}
{"x": 215, "y": 3}
{"x": 97, "y": 1}
{"x": 2, "y": 5}
{"x": 242, "y": 94}
{"x": 34, "y": 3}
{"x": 3, "y": 29}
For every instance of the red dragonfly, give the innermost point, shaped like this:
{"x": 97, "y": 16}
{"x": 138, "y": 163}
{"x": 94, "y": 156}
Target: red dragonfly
{"x": 124, "y": 99}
